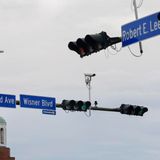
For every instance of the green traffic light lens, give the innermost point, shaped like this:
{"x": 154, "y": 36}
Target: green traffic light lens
{"x": 86, "y": 106}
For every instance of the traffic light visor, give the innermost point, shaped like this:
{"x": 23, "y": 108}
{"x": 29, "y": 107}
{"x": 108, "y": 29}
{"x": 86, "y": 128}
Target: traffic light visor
{"x": 86, "y": 105}
{"x": 93, "y": 41}
{"x": 98, "y": 41}
{"x": 137, "y": 110}
{"x": 80, "y": 104}
{"x": 73, "y": 46}
{"x": 68, "y": 103}
{"x": 83, "y": 47}
{"x": 145, "y": 109}
{"x": 130, "y": 109}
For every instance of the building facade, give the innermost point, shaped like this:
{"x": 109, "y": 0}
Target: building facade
{"x": 4, "y": 150}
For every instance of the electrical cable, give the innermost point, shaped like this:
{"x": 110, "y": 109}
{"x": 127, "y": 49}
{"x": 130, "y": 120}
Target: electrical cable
{"x": 133, "y": 53}
{"x": 110, "y": 52}
{"x": 114, "y": 47}
{"x": 140, "y": 4}
{"x": 88, "y": 115}
{"x": 106, "y": 54}
{"x": 66, "y": 111}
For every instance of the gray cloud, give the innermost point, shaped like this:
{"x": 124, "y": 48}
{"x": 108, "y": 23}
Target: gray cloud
{"x": 34, "y": 35}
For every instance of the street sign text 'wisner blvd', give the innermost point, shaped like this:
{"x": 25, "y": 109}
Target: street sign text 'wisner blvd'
{"x": 37, "y": 102}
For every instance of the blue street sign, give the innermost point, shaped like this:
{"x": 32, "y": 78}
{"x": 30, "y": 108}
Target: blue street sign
{"x": 141, "y": 29}
{"x": 49, "y": 111}
{"x": 7, "y": 101}
{"x": 37, "y": 102}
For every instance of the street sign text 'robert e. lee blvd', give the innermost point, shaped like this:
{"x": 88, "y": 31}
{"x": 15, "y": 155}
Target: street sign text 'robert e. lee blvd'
{"x": 141, "y": 29}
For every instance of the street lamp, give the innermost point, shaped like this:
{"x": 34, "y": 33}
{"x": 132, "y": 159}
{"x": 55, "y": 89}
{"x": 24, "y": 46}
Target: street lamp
{"x": 88, "y": 78}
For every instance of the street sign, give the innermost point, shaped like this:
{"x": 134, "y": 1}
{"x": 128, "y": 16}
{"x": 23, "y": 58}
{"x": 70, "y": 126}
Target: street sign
{"x": 8, "y": 101}
{"x": 37, "y": 102}
{"x": 140, "y": 29}
{"x": 49, "y": 111}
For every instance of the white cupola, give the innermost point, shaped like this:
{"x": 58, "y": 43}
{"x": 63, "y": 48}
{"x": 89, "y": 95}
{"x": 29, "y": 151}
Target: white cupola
{"x": 3, "y": 132}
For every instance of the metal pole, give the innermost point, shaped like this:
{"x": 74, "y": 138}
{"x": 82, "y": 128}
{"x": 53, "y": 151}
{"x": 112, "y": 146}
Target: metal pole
{"x": 89, "y": 88}
{"x": 136, "y": 15}
{"x": 88, "y": 78}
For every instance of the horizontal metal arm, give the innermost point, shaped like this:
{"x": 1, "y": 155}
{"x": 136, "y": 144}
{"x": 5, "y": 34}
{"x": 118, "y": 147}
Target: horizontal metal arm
{"x": 105, "y": 109}
{"x": 58, "y": 105}
{"x": 114, "y": 40}
{"x": 123, "y": 109}
{"x": 97, "y": 108}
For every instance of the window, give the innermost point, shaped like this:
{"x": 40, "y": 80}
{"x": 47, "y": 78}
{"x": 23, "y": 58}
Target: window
{"x": 1, "y": 136}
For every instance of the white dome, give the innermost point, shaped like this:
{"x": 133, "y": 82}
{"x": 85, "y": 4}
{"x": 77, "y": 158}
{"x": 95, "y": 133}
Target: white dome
{"x": 2, "y": 121}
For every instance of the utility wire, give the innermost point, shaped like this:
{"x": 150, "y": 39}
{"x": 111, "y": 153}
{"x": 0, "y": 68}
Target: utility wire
{"x": 134, "y": 53}
{"x": 138, "y": 6}
{"x": 114, "y": 47}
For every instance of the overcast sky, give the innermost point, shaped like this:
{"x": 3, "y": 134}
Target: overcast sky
{"x": 37, "y": 61}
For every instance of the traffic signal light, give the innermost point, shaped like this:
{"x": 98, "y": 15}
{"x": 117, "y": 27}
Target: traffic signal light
{"x": 92, "y": 43}
{"x": 73, "y": 105}
{"x": 133, "y": 109}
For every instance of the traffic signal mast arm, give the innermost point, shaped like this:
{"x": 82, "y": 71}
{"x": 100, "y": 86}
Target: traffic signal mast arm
{"x": 105, "y": 109}
{"x": 58, "y": 105}
{"x": 123, "y": 109}
{"x": 72, "y": 105}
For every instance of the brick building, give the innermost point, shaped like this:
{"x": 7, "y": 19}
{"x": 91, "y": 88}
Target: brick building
{"x": 4, "y": 151}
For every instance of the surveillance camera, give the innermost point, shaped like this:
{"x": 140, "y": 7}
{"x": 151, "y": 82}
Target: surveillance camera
{"x": 90, "y": 75}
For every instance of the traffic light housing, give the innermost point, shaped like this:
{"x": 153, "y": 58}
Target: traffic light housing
{"x": 72, "y": 105}
{"x": 133, "y": 109}
{"x": 92, "y": 43}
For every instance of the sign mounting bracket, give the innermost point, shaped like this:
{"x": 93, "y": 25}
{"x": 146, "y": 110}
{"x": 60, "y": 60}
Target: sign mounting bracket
{"x": 136, "y": 15}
